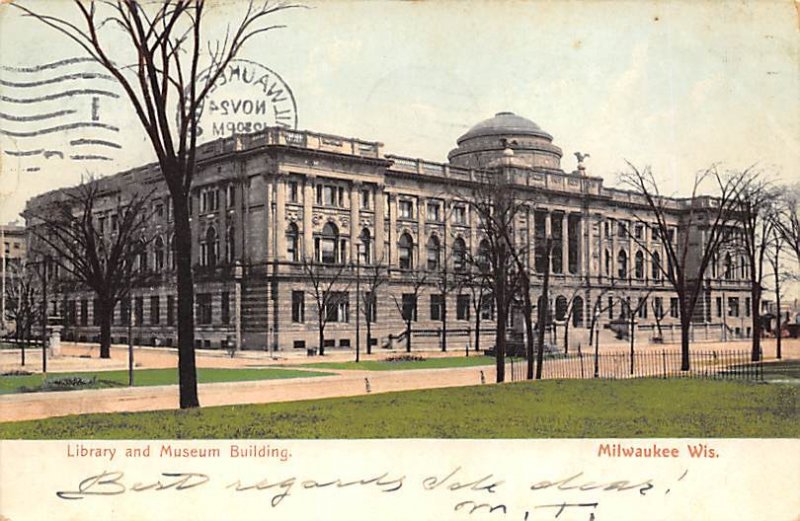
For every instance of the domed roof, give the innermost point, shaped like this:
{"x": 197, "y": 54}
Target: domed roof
{"x": 506, "y": 124}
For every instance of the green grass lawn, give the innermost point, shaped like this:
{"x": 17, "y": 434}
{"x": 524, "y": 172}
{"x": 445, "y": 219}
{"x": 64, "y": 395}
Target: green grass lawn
{"x": 787, "y": 371}
{"x": 148, "y": 377}
{"x": 384, "y": 365}
{"x": 554, "y": 408}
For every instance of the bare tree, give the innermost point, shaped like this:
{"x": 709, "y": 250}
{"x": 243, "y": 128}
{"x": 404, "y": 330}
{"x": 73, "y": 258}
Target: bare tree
{"x": 788, "y": 220}
{"x": 105, "y": 254}
{"x": 23, "y": 294}
{"x": 631, "y": 312}
{"x": 165, "y": 41}
{"x": 689, "y": 246}
{"x": 329, "y": 291}
{"x": 376, "y": 276}
{"x": 480, "y": 293}
{"x": 754, "y": 217}
{"x": 408, "y": 303}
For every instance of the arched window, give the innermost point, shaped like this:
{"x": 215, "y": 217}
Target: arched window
{"x": 209, "y": 248}
{"x": 434, "y": 251}
{"x": 405, "y": 252}
{"x": 656, "y": 267}
{"x": 365, "y": 248}
{"x": 561, "y": 307}
{"x": 142, "y": 261}
{"x": 743, "y": 268}
{"x": 622, "y": 264}
{"x": 158, "y": 254}
{"x": 608, "y": 263}
{"x": 483, "y": 255}
{"x": 327, "y": 245}
{"x": 639, "y": 268}
{"x": 728, "y": 267}
{"x": 459, "y": 254}
{"x": 577, "y": 312}
{"x": 293, "y": 243}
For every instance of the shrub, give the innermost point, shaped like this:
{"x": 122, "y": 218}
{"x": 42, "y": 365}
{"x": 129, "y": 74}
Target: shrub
{"x": 405, "y": 358}
{"x": 17, "y": 372}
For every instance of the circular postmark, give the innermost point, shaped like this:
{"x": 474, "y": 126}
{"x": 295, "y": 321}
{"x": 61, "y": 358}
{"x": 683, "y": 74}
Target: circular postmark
{"x": 247, "y": 97}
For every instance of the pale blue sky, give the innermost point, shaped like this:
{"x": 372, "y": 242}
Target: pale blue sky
{"x": 676, "y": 85}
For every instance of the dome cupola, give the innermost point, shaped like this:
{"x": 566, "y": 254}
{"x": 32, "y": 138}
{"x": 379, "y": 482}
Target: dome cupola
{"x": 486, "y": 141}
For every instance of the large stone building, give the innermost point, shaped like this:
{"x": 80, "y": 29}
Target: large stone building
{"x": 268, "y": 200}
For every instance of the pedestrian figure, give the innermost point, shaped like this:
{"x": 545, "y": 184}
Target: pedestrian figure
{"x": 366, "y": 383}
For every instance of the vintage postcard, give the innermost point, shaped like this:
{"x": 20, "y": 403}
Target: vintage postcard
{"x": 327, "y": 260}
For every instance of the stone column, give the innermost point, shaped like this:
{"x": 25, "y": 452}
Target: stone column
{"x": 280, "y": 217}
{"x": 422, "y": 257}
{"x": 548, "y": 233}
{"x": 308, "y": 212}
{"x": 393, "y": 259}
{"x": 355, "y": 218}
{"x": 565, "y": 243}
{"x": 379, "y": 232}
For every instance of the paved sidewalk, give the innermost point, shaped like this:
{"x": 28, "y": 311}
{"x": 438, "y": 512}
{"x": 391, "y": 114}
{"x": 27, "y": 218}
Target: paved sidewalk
{"x": 17, "y": 407}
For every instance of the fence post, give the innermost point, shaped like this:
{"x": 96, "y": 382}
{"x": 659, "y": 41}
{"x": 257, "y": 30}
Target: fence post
{"x": 664, "y": 362}
{"x": 580, "y": 355}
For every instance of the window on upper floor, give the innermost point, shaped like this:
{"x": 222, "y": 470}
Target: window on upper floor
{"x": 405, "y": 252}
{"x": 405, "y": 208}
{"x": 209, "y": 199}
{"x": 434, "y": 213}
{"x": 294, "y": 192}
{"x": 230, "y": 196}
{"x": 366, "y": 199}
{"x": 460, "y": 214}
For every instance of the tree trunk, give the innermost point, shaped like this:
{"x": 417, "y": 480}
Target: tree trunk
{"x": 755, "y": 315}
{"x": 777, "y": 315}
{"x": 686, "y": 324}
{"x": 369, "y": 336}
{"x": 408, "y": 336}
{"x": 633, "y": 326}
{"x": 187, "y": 370}
{"x": 478, "y": 329}
{"x": 566, "y": 334}
{"x": 543, "y": 308}
{"x": 105, "y": 328}
{"x": 528, "y": 329}
{"x": 321, "y": 339}
{"x": 444, "y": 322}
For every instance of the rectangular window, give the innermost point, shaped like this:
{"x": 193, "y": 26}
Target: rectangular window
{"x": 610, "y": 308}
{"x": 719, "y": 307}
{"x": 462, "y": 307}
{"x": 434, "y": 211}
{"x": 487, "y": 308}
{"x": 371, "y": 307}
{"x": 622, "y": 229}
{"x": 138, "y": 311}
{"x": 124, "y": 311}
{"x": 437, "y": 307}
{"x": 733, "y": 306}
{"x": 337, "y": 306}
{"x": 84, "y": 312}
{"x": 230, "y": 196}
{"x": 747, "y": 306}
{"x": 365, "y": 200}
{"x": 225, "y": 308}
{"x": 155, "y": 310}
{"x": 659, "y": 307}
{"x": 298, "y": 306}
{"x": 409, "y": 306}
{"x": 674, "y": 309}
{"x": 159, "y": 210}
{"x": 294, "y": 192}
{"x": 642, "y": 307}
{"x": 406, "y": 208}
{"x": 638, "y": 231}
{"x": 114, "y": 223}
{"x": 460, "y": 214}
{"x": 204, "y": 312}
{"x": 329, "y": 195}
{"x": 170, "y": 310}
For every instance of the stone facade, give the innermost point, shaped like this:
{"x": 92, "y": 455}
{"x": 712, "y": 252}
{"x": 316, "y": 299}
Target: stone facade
{"x": 265, "y": 201}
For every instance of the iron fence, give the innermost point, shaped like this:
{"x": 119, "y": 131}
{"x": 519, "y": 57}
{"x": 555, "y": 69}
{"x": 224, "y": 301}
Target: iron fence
{"x": 648, "y": 363}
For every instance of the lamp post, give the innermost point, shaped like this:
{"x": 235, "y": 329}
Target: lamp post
{"x": 597, "y": 344}
{"x": 238, "y": 273}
